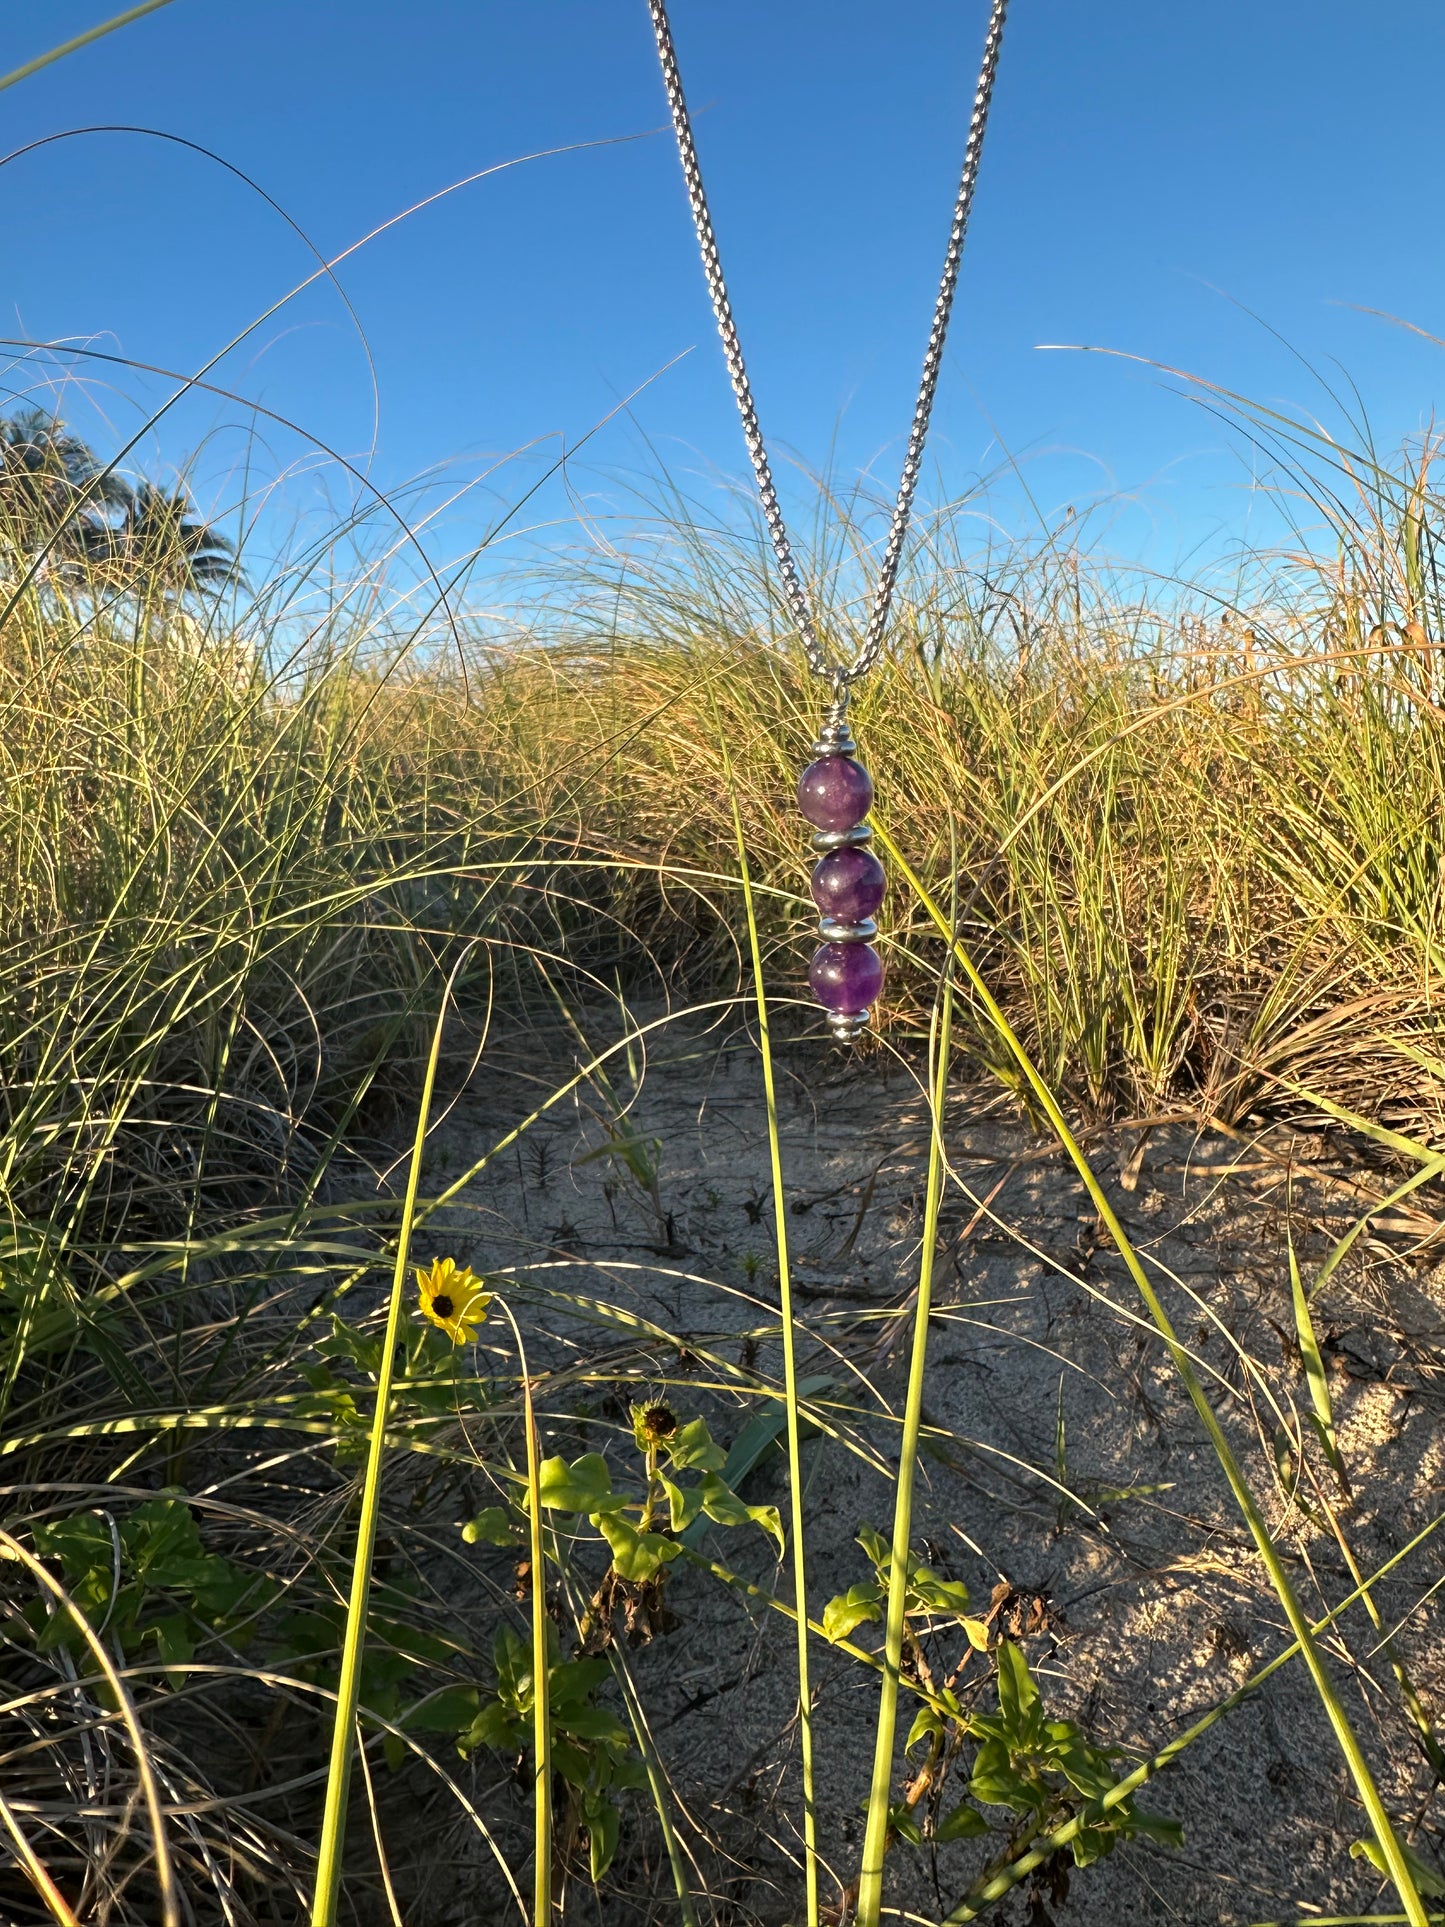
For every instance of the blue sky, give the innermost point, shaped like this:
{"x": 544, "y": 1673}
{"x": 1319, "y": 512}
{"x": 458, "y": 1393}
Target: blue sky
{"x": 1180, "y": 182}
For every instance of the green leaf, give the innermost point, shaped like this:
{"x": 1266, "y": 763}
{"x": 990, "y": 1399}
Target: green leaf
{"x": 1018, "y": 1697}
{"x": 591, "y": 1723}
{"x": 220, "y": 1590}
{"x": 174, "y": 1640}
{"x": 494, "y": 1726}
{"x": 571, "y": 1680}
{"x": 454, "y": 1709}
{"x": 684, "y": 1502}
{"x": 583, "y": 1486}
{"x": 1426, "y": 1877}
{"x": 602, "y": 1827}
{"x": 159, "y": 1536}
{"x": 493, "y": 1526}
{"x": 977, "y": 1633}
{"x": 691, "y": 1446}
{"x": 1093, "y": 1843}
{"x": 1085, "y": 1768}
{"x": 876, "y": 1547}
{"x": 963, "y": 1823}
{"x": 512, "y": 1657}
{"x": 635, "y": 1555}
{"x": 994, "y": 1780}
{"x": 81, "y": 1543}
{"x": 343, "y": 1342}
{"x": 851, "y": 1608}
{"x": 766, "y": 1427}
{"x": 1157, "y": 1826}
{"x": 926, "y": 1726}
{"x": 572, "y": 1760}
{"x": 725, "y": 1508}
{"x": 936, "y": 1595}
{"x": 903, "y": 1821}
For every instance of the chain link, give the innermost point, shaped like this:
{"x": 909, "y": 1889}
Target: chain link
{"x": 841, "y": 675}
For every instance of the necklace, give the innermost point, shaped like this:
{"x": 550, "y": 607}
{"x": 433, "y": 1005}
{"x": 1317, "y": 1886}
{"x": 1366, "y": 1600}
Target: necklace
{"x": 835, "y": 792}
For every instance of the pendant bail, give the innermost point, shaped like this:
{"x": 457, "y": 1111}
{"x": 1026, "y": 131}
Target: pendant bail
{"x": 835, "y": 738}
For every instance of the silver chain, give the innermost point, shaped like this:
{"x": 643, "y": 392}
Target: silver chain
{"x": 841, "y": 675}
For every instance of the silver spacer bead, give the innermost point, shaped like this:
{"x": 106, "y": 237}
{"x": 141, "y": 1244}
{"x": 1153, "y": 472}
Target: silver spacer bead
{"x": 848, "y": 1026}
{"x": 835, "y": 738}
{"x": 825, "y": 840}
{"x": 834, "y": 930}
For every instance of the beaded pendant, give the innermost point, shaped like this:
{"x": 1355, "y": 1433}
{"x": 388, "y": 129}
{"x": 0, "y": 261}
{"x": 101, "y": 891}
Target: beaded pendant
{"x": 835, "y": 794}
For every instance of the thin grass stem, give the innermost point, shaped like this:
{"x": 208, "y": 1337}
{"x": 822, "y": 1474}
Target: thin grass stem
{"x": 331, "y": 1844}
{"x": 875, "y": 1837}
{"x": 790, "y": 1382}
{"x": 541, "y": 1662}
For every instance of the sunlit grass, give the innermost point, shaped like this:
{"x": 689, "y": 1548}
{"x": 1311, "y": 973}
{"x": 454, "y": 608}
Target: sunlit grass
{"x": 1191, "y": 867}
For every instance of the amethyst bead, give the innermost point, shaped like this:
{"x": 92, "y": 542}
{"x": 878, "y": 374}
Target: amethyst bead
{"x": 848, "y": 885}
{"x": 835, "y": 793}
{"x": 846, "y": 976}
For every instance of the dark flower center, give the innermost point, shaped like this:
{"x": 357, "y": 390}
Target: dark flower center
{"x": 659, "y": 1422}
{"x": 442, "y": 1305}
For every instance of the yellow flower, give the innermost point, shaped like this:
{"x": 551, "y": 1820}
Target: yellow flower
{"x": 453, "y": 1300}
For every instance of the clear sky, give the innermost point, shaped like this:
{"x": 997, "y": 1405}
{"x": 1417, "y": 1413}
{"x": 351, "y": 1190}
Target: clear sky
{"x": 1170, "y": 179}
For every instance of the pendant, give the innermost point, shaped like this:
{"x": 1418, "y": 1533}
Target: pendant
{"x": 835, "y": 794}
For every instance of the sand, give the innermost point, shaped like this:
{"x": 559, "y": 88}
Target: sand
{"x": 1137, "y": 1593}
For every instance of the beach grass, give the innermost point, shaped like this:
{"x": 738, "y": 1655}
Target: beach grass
{"x": 1157, "y": 854}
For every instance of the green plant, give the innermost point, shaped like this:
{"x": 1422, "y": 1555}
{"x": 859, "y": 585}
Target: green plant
{"x": 925, "y": 1597}
{"x": 147, "y": 1582}
{"x": 429, "y": 1386}
{"x": 591, "y": 1748}
{"x": 1047, "y": 1772}
{"x": 643, "y": 1529}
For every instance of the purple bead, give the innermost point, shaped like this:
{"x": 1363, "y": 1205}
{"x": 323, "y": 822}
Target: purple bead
{"x": 835, "y": 793}
{"x": 849, "y": 885}
{"x": 846, "y": 976}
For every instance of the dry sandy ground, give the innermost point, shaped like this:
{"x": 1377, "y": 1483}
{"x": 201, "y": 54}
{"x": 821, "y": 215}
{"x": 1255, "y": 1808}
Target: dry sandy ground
{"x": 1149, "y": 1601}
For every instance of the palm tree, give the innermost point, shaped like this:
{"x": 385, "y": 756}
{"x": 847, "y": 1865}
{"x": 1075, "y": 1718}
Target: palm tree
{"x": 62, "y": 515}
{"x": 54, "y": 495}
{"x": 159, "y": 543}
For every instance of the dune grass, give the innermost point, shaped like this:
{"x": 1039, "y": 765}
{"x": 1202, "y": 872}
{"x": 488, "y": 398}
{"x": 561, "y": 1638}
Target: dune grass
{"x": 1193, "y": 854}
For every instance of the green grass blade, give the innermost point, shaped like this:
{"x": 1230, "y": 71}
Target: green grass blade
{"x": 81, "y": 40}
{"x": 790, "y": 1384}
{"x": 658, "y": 1787}
{"x": 875, "y": 1836}
{"x": 1341, "y": 1250}
{"x": 332, "y": 1842}
{"x": 1315, "y": 1375}
{"x": 541, "y": 1656}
